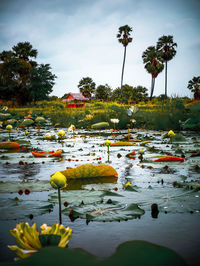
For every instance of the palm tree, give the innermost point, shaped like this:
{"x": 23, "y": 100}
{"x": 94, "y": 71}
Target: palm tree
{"x": 153, "y": 64}
{"x": 194, "y": 86}
{"x": 24, "y": 50}
{"x": 86, "y": 86}
{"x": 123, "y": 37}
{"x": 166, "y": 46}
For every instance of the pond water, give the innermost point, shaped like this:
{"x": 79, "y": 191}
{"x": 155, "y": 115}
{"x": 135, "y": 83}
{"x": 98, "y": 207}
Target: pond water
{"x": 120, "y": 213}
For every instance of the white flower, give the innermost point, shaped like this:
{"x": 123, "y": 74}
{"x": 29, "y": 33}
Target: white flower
{"x": 114, "y": 120}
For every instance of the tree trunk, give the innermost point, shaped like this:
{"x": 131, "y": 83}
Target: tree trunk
{"x": 166, "y": 78}
{"x": 123, "y": 68}
{"x": 152, "y": 87}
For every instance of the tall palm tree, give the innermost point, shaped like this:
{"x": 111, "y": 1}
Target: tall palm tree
{"x": 87, "y": 86}
{"x": 166, "y": 46}
{"x": 123, "y": 37}
{"x": 194, "y": 86}
{"x": 153, "y": 64}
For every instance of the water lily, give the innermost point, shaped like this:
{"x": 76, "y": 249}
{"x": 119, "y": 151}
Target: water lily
{"x": 9, "y": 128}
{"x": 31, "y": 241}
{"x": 61, "y": 133}
{"x": 114, "y": 120}
{"x": 48, "y": 136}
{"x": 58, "y": 181}
{"x": 171, "y": 133}
{"x": 141, "y": 152}
{"x": 72, "y": 128}
{"x": 107, "y": 143}
{"x": 133, "y": 121}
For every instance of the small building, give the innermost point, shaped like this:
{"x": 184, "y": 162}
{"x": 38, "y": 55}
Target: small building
{"x": 75, "y": 100}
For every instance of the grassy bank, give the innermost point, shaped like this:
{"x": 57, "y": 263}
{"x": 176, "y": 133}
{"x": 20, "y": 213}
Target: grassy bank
{"x": 173, "y": 114}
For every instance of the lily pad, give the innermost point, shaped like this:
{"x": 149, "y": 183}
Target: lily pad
{"x": 27, "y": 122}
{"x": 107, "y": 212}
{"x": 33, "y": 186}
{"x": 11, "y": 209}
{"x": 76, "y": 197}
{"x": 100, "y": 125}
{"x": 140, "y": 252}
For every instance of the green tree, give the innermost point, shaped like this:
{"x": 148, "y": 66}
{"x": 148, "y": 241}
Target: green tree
{"x": 194, "y": 86}
{"x": 41, "y": 83}
{"x": 140, "y": 94}
{"x": 153, "y": 64}
{"x": 166, "y": 46}
{"x": 17, "y": 74}
{"x": 86, "y": 86}
{"x": 123, "y": 37}
{"x": 124, "y": 95}
{"x": 103, "y": 92}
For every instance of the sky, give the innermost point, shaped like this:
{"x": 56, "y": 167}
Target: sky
{"x": 78, "y": 39}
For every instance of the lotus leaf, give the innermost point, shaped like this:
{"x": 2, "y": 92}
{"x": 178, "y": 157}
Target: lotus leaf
{"x": 90, "y": 171}
{"x": 121, "y": 143}
{"x": 9, "y": 145}
{"x": 11, "y": 121}
{"x": 77, "y": 196}
{"x": 33, "y": 186}
{"x": 107, "y": 212}
{"x": 4, "y": 116}
{"x": 11, "y": 209}
{"x": 27, "y": 122}
{"x": 100, "y": 125}
{"x": 140, "y": 252}
{"x": 40, "y": 120}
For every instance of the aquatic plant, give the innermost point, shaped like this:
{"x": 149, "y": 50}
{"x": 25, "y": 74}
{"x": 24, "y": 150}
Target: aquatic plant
{"x": 31, "y": 241}
{"x": 9, "y": 128}
{"x": 108, "y": 143}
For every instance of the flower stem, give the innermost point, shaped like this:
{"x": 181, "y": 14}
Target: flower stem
{"x": 59, "y": 201}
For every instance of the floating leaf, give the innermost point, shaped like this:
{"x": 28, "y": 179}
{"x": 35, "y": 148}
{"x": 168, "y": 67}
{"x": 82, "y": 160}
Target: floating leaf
{"x": 11, "y": 209}
{"x": 90, "y": 171}
{"x": 121, "y": 143}
{"x": 9, "y": 145}
{"x": 77, "y": 196}
{"x": 107, "y": 212}
{"x": 100, "y": 125}
{"x": 170, "y": 158}
{"x": 27, "y": 122}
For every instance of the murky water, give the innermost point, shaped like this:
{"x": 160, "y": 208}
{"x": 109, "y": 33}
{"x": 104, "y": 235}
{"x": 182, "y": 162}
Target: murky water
{"x": 173, "y": 186}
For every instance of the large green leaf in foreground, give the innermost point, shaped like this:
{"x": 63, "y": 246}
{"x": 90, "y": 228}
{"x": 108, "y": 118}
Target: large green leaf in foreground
{"x": 107, "y": 212}
{"x": 136, "y": 253}
{"x": 11, "y": 209}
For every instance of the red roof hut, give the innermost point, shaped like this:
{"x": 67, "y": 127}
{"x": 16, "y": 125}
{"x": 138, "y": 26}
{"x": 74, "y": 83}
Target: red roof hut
{"x": 78, "y": 100}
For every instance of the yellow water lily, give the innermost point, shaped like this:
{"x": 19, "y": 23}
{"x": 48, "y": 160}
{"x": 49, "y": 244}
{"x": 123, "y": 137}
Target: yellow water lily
{"x": 48, "y": 136}
{"x": 128, "y": 184}
{"x": 28, "y": 237}
{"x": 61, "y": 133}
{"x": 9, "y": 127}
{"x": 141, "y": 151}
{"x": 171, "y": 133}
{"x": 107, "y": 142}
{"x": 58, "y": 180}
{"x": 71, "y": 128}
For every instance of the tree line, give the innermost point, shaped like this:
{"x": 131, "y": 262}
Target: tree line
{"x": 23, "y": 80}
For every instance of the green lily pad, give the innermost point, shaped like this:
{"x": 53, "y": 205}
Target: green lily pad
{"x": 11, "y": 209}
{"x": 100, "y": 125}
{"x": 33, "y": 186}
{"x": 40, "y": 120}
{"x": 75, "y": 197}
{"x": 107, "y": 212}
{"x": 27, "y": 122}
{"x": 141, "y": 253}
{"x": 5, "y": 116}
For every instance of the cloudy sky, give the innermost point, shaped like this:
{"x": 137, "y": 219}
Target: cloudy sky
{"x": 78, "y": 39}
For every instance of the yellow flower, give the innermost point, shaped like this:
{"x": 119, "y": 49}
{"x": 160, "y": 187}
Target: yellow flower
{"x": 29, "y": 238}
{"x": 61, "y": 133}
{"x": 171, "y": 133}
{"x": 128, "y": 184}
{"x": 9, "y": 127}
{"x": 107, "y": 142}
{"x": 48, "y": 136}
{"x": 58, "y": 180}
{"x": 141, "y": 151}
{"x": 71, "y": 128}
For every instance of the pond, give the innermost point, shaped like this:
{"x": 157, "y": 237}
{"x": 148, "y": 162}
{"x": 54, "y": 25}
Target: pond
{"x": 119, "y": 210}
